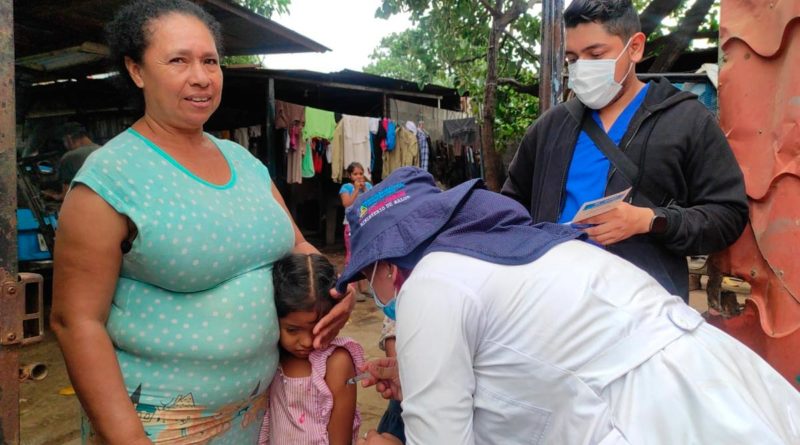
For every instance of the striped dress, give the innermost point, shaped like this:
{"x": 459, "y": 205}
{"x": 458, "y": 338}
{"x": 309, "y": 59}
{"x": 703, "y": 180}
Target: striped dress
{"x": 300, "y": 407}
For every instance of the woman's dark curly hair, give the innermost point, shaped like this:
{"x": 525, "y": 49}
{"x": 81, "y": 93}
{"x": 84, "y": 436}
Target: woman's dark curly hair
{"x": 128, "y": 34}
{"x": 302, "y": 283}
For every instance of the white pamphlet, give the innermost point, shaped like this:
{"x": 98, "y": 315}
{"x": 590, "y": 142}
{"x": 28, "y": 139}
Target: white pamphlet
{"x": 599, "y": 206}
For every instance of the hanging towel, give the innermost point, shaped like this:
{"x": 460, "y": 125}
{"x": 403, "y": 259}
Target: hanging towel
{"x": 294, "y": 165}
{"x": 356, "y": 142}
{"x": 287, "y": 114}
{"x": 319, "y": 124}
{"x": 391, "y": 135}
{"x": 308, "y": 162}
{"x": 374, "y": 123}
{"x": 337, "y": 154}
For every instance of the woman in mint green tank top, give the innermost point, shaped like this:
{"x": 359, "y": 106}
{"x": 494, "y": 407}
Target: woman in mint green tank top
{"x": 163, "y": 301}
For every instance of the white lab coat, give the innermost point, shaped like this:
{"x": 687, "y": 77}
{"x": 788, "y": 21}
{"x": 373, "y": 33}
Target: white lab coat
{"x": 578, "y": 347}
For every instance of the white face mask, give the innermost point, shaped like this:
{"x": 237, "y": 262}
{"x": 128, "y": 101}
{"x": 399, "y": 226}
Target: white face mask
{"x": 593, "y": 80}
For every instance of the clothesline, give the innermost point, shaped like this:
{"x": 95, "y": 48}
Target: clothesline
{"x": 379, "y": 145}
{"x": 313, "y": 138}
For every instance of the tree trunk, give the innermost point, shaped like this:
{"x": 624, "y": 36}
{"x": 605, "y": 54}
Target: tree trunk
{"x": 654, "y": 14}
{"x": 493, "y": 164}
{"x": 678, "y": 41}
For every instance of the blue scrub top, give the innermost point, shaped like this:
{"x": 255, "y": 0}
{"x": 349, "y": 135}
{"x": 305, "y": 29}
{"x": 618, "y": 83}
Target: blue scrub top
{"x": 588, "y": 171}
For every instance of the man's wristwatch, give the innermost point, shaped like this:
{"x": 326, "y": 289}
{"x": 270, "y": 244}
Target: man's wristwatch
{"x": 658, "y": 225}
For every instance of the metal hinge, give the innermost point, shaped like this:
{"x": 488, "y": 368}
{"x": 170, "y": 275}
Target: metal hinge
{"x": 11, "y": 309}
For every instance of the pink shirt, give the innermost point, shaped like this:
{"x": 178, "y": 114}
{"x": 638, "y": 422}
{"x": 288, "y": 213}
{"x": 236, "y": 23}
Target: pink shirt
{"x": 300, "y": 407}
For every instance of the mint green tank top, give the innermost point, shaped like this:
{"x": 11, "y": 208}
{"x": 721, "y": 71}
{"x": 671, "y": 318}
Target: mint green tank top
{"x": 193, "y": 319}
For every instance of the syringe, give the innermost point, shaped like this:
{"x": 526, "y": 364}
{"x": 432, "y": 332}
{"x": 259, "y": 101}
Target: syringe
{"x": 358, "y": 378}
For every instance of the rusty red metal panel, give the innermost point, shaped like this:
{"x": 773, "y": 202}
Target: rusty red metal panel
{"x": 10, "y": 297}
{"x": 759, "y": 95}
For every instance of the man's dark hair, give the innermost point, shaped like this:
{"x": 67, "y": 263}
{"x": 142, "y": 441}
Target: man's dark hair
{"x": 302, "y": 283}
{"x": 74, "y": 130}
{"x": 618, "y": 17}
{"x": 128, "y": 34}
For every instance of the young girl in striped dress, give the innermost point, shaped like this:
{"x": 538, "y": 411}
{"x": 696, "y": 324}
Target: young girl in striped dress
{"x": 310, "y": 402}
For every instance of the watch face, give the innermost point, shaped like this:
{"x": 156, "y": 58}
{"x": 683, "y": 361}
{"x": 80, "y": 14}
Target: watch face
{"x": 659, "y": 224}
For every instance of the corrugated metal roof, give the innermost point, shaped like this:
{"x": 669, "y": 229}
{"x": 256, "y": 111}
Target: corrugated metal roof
{"x": 368, "y": 80}
{"x": 47, "y": 25}
{"x": 347, "y": 91}
{"x": 760, "y": 113}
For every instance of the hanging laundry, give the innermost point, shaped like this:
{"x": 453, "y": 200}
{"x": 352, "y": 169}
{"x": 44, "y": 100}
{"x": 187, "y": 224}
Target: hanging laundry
{"x": 294, "y": 166}
{"x": 475, "y": 163}
{"x": 308, "y": 162}
{"x": 374, "y": 123}
{"x": 319, "y": 146}
{"x": 376, "y": 161}
{"x": 356, "y": 142}
{"x": 254, "y": 131}
{"x": 424, "y": 148}
{"x": 287, "y": 114}
{"x": 295, "y": 137}
{"x": 405, "y": 154}
{"x": 319, "y": 124}
{"x": 464, "y": 130}
{"x": 381, "y": 135}
{"x": 391, "y": 135}
{"x": 242, "y": 137}
{"x": 317, "y": 157}
{"x": 337, "y": 154}
{"x": 255, "y": 141}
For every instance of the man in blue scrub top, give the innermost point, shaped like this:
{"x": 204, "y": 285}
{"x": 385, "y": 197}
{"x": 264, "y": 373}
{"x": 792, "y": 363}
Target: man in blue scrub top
{"x": 699, "y": 205}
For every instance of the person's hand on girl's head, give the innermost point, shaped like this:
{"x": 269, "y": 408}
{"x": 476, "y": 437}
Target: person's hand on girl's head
{"x": 375, "y": 438}
{"x": 328, "y": 327}
{"x": 385, "y": 376}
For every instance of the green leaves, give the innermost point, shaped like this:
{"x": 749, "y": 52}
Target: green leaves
{"x": 266, "y": 7}
{"x": 448, "y": 45}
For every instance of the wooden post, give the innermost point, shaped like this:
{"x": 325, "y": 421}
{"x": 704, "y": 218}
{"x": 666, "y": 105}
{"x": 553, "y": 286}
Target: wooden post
{"x": 271, "y": 156}
{"x": 552, "y": 59}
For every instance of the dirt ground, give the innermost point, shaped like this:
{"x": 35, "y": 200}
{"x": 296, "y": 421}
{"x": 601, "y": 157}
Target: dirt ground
{"x": 48, "y": 418}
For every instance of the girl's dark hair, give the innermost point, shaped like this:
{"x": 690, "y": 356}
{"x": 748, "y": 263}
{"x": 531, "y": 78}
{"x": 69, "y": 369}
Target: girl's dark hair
{"x": 618, "y": 17}
{"x": 354, "y": 165}
{"x": 302, "y": 282}
{"x": 128, "y": 34}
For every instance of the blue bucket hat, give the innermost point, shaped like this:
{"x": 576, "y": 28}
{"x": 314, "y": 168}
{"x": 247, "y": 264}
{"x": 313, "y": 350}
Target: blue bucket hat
{"x": 398, "y": 215}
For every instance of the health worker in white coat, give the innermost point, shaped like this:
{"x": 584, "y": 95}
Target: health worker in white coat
{"x": 514, "y": 333}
